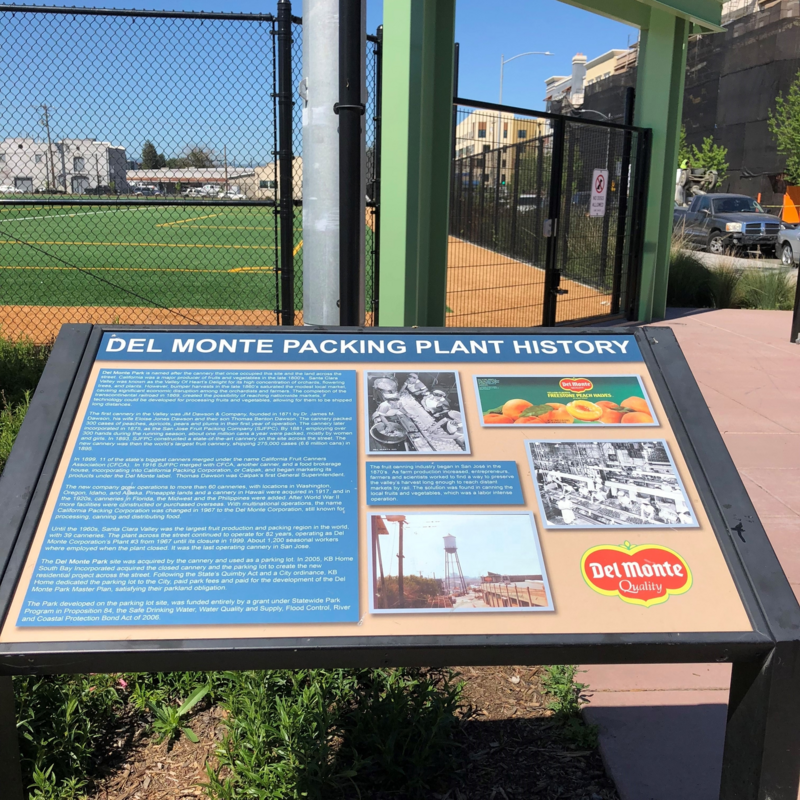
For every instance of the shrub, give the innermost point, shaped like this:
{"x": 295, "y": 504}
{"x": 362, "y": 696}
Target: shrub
{"x": 337, "y": 733}
{"x": 724, "y": 284}
{"x": 689, "y": 283}
{"x": 10, "y": 422}
{"x": 61, "y": 720}
{"x": 767, "y": 289}
{"x": 21, "y": 365}
{"x": 566, "y": 699}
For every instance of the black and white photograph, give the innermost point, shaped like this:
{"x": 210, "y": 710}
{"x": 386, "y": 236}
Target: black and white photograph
{"x": 630, "y": 484}
{"x": 459, "y": 562}
{"x": 414, "y": 412}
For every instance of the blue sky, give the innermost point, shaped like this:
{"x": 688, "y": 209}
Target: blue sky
{"x": 103, "y": 78}
{"x": 484, "y": 31}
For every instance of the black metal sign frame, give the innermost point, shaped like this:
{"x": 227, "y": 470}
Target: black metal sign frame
{"x": 762, "y": 747}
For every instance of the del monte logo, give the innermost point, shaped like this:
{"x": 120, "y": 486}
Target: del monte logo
{"x": 645, "y": 574}
{"x": 577, "y": 385}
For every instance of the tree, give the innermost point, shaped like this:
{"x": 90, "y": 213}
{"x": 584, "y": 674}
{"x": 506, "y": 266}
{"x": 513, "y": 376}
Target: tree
{"x": 784, "y": 125}
{"x": 684, "y": 151}
{"x": 196, "y": 157}
{"x": 708, "y": 156}
{"x": 711, "y": 156}
{"x": 149, "y": 156}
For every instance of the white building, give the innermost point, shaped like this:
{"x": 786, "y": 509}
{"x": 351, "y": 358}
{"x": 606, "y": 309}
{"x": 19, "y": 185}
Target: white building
{"x": 68, "y": 165}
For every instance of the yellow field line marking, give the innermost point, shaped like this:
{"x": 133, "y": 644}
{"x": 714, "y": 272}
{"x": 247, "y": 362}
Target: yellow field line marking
{"x": 151, "y": 244}
{"x": 297, "y": 249}
{"x": 191, "y": 219}
{"x": 234, "y": 227}
{"x": 148, "y": 269}
{"x": 252, "y": 269}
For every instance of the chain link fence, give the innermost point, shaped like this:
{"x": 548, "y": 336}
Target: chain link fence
{"x": 140, "y": 168}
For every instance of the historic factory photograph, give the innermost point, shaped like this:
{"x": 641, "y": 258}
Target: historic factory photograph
{"x": 434, "y": 562}
{"x": 628, "y": 484}
{"x": 414, "y": 412}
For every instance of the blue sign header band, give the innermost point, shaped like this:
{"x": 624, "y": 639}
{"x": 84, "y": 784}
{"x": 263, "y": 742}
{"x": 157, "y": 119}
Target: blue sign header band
{"x": 337, "y": 347}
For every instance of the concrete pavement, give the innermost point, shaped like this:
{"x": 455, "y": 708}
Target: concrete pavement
{"x": 662, "y": 726}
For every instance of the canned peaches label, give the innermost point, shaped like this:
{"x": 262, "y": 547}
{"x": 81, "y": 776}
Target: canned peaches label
{"x": 645, "y": 574}
{"x": 576, "y": 385}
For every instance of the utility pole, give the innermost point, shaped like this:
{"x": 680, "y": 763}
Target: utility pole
{"x": 49, "y": 146}
{"x": 401, "y": 521}
{"x": 225, "y": 159}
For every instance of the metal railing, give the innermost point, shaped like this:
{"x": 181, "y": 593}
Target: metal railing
{"x": 525, "y": 246}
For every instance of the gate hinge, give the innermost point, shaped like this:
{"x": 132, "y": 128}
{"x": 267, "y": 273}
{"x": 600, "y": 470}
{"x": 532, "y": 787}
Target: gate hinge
{"x": 550, "y": 227}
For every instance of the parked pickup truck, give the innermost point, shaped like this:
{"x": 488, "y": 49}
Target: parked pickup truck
{"x": 722, "y": 222}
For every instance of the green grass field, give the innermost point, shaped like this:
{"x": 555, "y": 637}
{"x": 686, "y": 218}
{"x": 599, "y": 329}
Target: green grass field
{"x": 175, "y": 256}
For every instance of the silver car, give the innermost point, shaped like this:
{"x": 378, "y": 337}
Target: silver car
{"x": 789, "y": 246}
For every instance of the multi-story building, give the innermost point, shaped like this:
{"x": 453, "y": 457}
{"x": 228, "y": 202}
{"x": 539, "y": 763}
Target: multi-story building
{"x": 563, "y": 92}
{"x": 732, "y": 81}
{"x": 488, "y": 144}
{"x": 68, "y": 165}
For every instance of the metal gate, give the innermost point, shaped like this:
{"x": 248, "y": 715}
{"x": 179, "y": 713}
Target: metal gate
{"x": 151, "y": 168}
{"x": 524, "y": 249}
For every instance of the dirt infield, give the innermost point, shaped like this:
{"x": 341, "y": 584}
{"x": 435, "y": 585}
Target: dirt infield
{"x": 487, "y": 289}
{"x": 484, "y": 289}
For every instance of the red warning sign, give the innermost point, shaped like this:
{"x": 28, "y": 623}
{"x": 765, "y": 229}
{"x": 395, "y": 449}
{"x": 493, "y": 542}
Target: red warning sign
{"x": 597, "y": 202}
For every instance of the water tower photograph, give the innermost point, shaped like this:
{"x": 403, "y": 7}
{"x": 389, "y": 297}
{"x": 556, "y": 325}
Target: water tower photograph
{"x": 434, "y": 563}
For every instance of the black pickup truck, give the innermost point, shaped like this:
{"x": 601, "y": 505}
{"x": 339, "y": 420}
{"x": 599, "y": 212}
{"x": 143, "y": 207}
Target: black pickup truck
{"x": 724, "y": 222}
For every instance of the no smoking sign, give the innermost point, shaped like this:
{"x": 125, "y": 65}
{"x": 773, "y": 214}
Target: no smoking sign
{"x": 597, "y": 202}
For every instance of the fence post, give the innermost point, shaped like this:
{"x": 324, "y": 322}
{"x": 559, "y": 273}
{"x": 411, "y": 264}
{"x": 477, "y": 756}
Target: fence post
{"x": 538, "y": 227}
{"x": 795, "y": 335}
{"x": 285, "y": 158}
{"x": 622, "y": 207}
{"x": 350, "y": 109}
{"x": 495, "y": 222}
{"x": 563, "y": 234}
{"x": 376, "y": 218}
{"x": 636, "y": 238}
{"x": 517, "y": 150}
{"x": 551, "y": 224}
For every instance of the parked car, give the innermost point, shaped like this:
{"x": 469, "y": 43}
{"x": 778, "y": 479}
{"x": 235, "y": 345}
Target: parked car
{"x": 721, "y": 222}
{"x": 193, "y": 191}
{"x": 789, "y": 245}
{"x": 209, "y": 190}
{"x": 529, "y": 202}
{"x": 10, "y": 190}
{"x": 147, "y": 191}
{"x": 233, "y": 194}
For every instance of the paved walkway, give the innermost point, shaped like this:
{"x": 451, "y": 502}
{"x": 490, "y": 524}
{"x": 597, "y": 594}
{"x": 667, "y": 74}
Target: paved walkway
{"x": 662, "y": 726}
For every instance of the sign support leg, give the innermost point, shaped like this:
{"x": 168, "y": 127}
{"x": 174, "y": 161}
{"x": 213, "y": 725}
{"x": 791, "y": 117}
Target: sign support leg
{"x": 10, "y": 767}
{"x": 762, "y": 738}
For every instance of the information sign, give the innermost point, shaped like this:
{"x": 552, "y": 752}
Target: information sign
{"x": 597, "y": 199}
{"x": 191, "y": 498}
{"x": 305, "y": 484}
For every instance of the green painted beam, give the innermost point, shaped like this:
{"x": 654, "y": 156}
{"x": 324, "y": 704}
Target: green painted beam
{"x": 659, "y": 104}
{"x": 705, "y": 13}
{"x": 630, "y": 12}
{"x": 418, "y": 41}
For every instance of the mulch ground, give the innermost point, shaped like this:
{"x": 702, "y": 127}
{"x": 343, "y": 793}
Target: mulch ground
{"x": 515, "y": 750}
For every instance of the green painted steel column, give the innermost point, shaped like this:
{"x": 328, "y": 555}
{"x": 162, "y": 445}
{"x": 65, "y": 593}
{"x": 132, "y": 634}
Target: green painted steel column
{"x": 659, "y": 103}
{"x": 418, "y": 42}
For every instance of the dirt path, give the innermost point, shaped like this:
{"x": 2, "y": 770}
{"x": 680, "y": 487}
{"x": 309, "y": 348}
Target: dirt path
{"x": 487, "y": 289}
